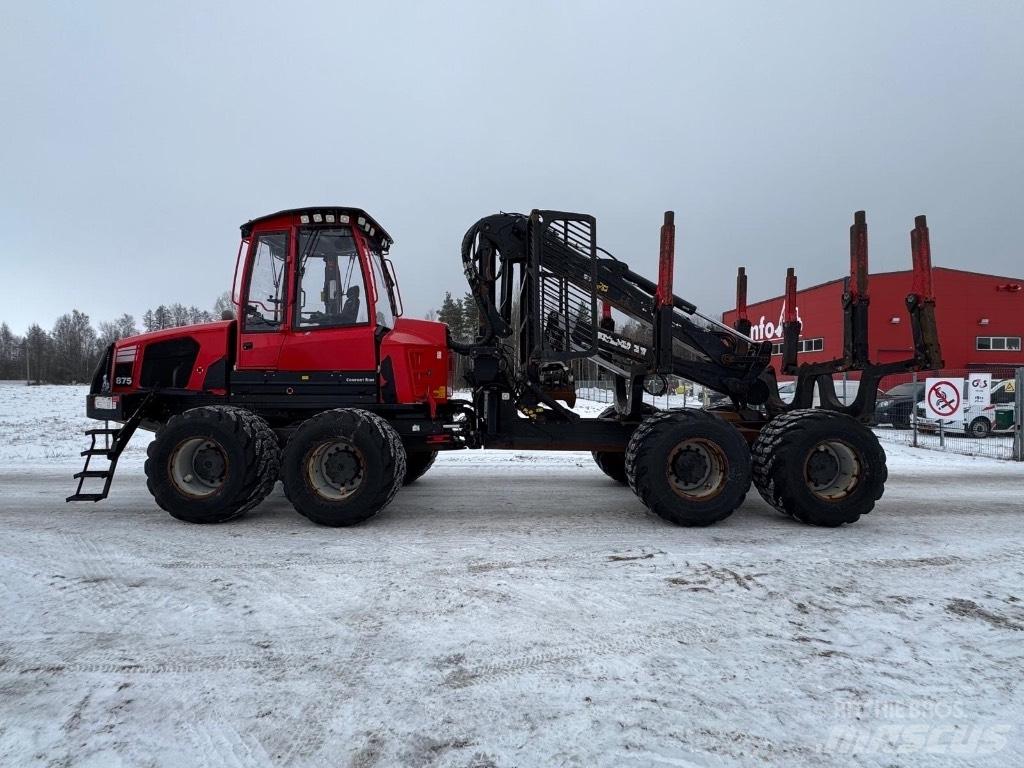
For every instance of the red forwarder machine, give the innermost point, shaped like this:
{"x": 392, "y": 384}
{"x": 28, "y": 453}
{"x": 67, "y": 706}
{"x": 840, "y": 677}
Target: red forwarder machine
{"x": 318, "y": 381}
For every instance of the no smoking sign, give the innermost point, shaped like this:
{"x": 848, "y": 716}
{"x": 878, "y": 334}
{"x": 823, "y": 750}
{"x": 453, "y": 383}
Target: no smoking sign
{"x": 943, "y": 399}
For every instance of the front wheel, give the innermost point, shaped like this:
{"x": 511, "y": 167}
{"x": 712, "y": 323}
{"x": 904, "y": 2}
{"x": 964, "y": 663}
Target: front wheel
{"x": 820, "y": 467}
{"x": 343, "y": 466}
{"x": 416, "y": 465}
{"x": 212, "y": 464}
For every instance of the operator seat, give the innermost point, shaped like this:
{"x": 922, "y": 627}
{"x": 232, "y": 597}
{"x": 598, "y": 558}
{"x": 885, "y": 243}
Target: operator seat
{"x": 350, "y": 312}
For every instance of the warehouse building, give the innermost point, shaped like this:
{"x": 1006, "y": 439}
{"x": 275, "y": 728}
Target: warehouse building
{"x": 980, "y": 319}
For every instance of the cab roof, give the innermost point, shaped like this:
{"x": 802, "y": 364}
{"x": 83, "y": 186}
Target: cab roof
{"x": 320, "y": 210}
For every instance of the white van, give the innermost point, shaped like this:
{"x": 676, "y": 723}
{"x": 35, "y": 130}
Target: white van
{"x": 977, "y": 421}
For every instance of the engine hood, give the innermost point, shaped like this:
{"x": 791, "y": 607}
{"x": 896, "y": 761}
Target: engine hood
{"x": 175, "y": 333}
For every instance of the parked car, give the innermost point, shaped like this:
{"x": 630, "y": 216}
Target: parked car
{"x": 895, "y": 405}
{"x": 998, "y": 416}
{"x": 845, "y": 391}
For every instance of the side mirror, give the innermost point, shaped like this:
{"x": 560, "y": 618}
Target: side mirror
{"x": 227, "y": 314}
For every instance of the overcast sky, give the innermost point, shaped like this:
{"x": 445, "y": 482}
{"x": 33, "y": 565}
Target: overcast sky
{"x": 136, "y": 137}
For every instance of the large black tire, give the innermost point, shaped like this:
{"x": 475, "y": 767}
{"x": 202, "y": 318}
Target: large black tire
{"x": 613, "y": 463}
{"x": 820, "y": 467}
{"x": 688, "y": 466}
{"x": 416, "y": 465}
{"x": 980, "y": 428}
{"x": 212, "y": 464}
{"x": 343, "y": 466}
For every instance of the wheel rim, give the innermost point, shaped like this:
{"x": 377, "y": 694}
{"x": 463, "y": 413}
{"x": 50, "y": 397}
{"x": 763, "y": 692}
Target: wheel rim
{"x": 336, "y": 470}
{"x": 832, "y": 470}
{"x": 979, "y": 428}
{"x": 198, "y": 467}
{"x": 697, "y": 469}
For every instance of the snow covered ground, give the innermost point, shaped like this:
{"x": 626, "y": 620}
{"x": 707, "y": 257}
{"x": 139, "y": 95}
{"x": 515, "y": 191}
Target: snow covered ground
{"x": 506, "y": 610}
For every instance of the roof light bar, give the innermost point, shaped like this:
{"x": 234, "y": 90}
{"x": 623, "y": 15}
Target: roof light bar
{"x": 331, "y": 218}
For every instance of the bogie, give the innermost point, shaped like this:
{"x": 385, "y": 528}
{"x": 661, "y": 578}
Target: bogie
{"x": 343, "y": 466}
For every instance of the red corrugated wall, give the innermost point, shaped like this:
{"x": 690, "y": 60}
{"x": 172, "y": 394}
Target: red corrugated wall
{"x": 963, "y": 299}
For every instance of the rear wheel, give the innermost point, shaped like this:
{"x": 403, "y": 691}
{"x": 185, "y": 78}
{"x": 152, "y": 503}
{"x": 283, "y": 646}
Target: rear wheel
{"x": 416, "y": 465}
{"x": 820, "y": 467}
{"x": 212, "y": 464}
{"x": 343, "y": 466}
{"x": 613, "y": 463}
{"x": 688, "y": 466}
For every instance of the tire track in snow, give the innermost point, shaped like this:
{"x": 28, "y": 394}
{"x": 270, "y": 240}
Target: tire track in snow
{"x": 300, "y": 743}
{"x": 301, "y": 651}
{"x": 572, "y": 655}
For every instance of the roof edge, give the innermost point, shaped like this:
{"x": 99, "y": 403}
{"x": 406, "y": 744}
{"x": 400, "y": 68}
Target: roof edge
{"x": 247, "y": 227}
{"x": 882, "y": 274}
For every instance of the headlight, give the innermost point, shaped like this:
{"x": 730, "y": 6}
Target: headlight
{"x": 884, "y": 403}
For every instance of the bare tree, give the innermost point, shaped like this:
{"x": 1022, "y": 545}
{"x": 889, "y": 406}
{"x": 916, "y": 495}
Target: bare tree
{"x": 223, "y": 304}
{"x": 74, "y": 346}
{"x": 37, "y": 354}
{"x": 117, "y": 329}
{"x": 11, "y": 351}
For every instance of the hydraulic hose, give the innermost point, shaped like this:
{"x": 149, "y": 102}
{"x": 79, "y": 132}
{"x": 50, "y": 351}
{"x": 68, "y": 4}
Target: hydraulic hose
{"x": 502, "y": 235}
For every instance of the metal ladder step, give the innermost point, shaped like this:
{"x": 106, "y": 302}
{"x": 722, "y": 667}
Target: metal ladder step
{"x": 104, "y": 473}
{"x": 117, "y": 439}
{"x": 86, "y": 497}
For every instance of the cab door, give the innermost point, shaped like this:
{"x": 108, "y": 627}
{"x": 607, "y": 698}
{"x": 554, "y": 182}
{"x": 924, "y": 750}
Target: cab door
{"x": 330, "y": 345}
{"x": 264, "y": 300}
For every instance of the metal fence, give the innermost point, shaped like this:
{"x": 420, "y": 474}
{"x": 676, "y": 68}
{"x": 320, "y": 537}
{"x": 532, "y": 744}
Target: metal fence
{"x": 987, "y": 426}
{"x": 992, "y": 428}
{"x": 684, "y": 395}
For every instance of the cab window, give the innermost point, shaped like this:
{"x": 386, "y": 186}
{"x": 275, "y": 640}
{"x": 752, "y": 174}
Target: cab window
{"x": 330, "y": 280}
{"x": 265, "y": 297}
{"x": 1003, "y": 396}
{"x": 385, "y": 301}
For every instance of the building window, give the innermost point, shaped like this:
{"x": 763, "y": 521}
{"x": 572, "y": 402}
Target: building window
{"x": 998, "y": 343}
{"x": 802, "y": 345}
